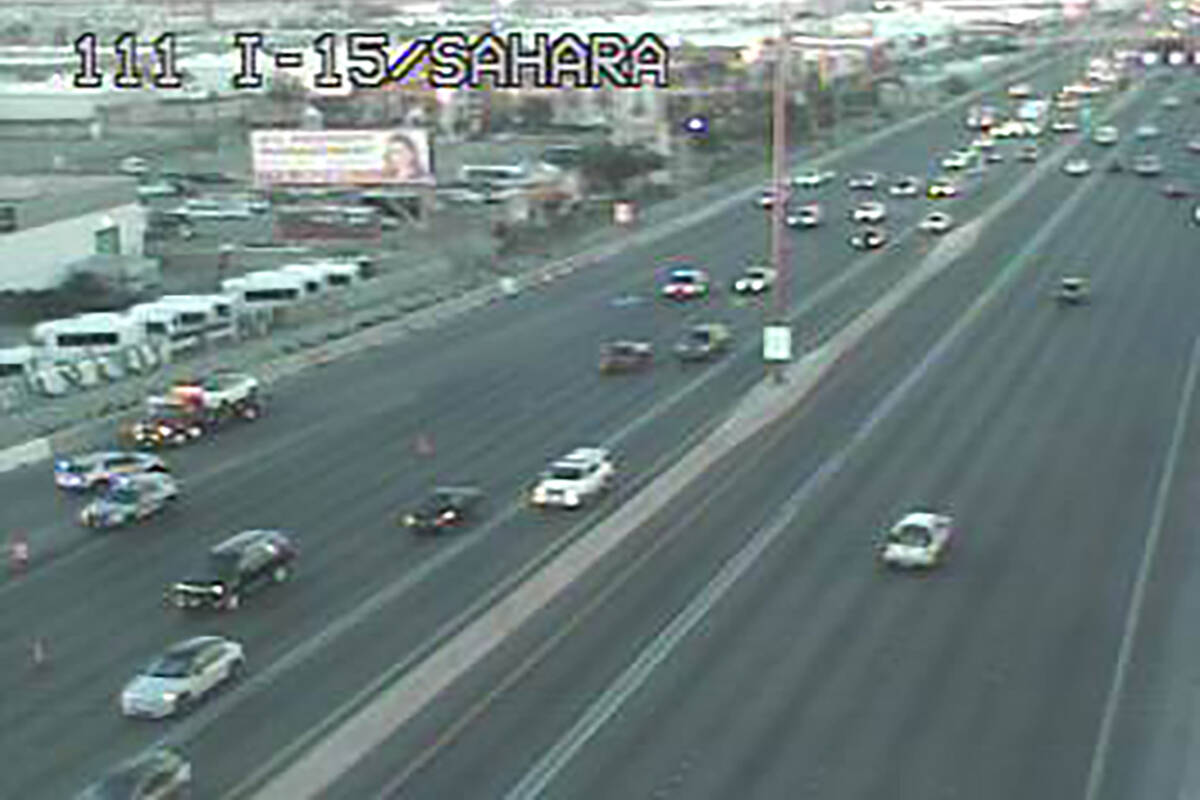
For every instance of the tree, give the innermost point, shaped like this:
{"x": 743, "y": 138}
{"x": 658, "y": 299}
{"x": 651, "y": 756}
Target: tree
{"x": 609, "y": 167}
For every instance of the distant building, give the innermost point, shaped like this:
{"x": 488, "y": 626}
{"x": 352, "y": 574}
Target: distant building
{"x": 52, "y": 226}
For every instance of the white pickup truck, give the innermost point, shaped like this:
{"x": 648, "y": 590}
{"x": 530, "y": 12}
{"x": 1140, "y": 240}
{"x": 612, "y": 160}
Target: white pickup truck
{"x": 219, "y": 391}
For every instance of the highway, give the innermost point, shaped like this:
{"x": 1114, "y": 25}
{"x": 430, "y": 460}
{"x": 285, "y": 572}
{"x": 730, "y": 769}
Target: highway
{"x": 1033, "y": 618}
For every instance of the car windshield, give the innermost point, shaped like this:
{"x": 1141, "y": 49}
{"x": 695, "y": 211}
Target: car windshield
{"x": 221, "y": 565}
{"x": 683, "y": 277}
{"x": 74, "y": 467}
{"x": 756, "y": 274}
{"x": 122, "y": 495}
{"x": 911, "y": 536}
{"x": 565, "y": 472}
{"x": 700, "y": 336}
{"x": 171, "y": 665}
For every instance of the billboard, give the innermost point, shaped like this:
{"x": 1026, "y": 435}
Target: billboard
{"x": 341, "y": 157}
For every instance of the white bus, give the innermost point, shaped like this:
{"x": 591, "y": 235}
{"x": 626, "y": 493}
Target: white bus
{"x": 209, "y": 315}
{"x": 314, "y": 279}
{"x": 165, "y": 322}
{"x": 87, "y": 335}
{"x": 338, "y": 274}
{"x": 16, "y": 361}
{"x": 266, "y": 289}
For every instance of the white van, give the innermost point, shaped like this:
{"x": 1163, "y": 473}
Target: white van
{"x": 87, "y": 335}
{"x": 208, "y": 315}
{"x": 267, "y": 289}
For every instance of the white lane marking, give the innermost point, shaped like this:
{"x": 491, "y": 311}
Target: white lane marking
{"x": 1133, "y": 616}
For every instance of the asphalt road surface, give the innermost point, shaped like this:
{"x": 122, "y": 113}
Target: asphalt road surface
{"x": 1045, "y": 431}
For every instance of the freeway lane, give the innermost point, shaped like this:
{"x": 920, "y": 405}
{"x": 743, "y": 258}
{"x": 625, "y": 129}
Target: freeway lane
{"x": 1045, "y": 431}
{"x": 333, "y": 463}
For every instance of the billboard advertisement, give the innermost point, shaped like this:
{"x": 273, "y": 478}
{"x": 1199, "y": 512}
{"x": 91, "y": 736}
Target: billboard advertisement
{"x": 341, "y": 157}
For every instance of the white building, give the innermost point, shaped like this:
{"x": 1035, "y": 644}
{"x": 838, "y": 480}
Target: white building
{"x": 49, "y": 224}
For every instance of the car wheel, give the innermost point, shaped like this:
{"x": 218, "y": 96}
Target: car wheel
{"x": 280, "y": 574}
{"x": 236, "y": 670}
{"x": 250, "y": 413}
{"x": 184, "y": 704}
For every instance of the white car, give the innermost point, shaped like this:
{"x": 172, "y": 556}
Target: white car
{"x": 1147, "y": 132}
{"x": 920, "y": 539}
{"x": 1009, "y": 130}
{"x": 1147, "y": 165}
{"x": 813, "y": 179}
{"x": 863, "y": 180}
{"x": 940, "y": 188}
{"x": 133, "y": 165}
{"x": 1194, "y": 145}
{"x": 937, "y": 222}
{"x": 993, "y": 156}
{"x": 94, "y": 470}
{"x": 131, "y": 498}
{"x": 181, "y": 677}
{"x": 575, "y": 478}
{"x": 1077, "y": 167}
{"x": 1170, "y": 101}
{"x": 905, "y": 187}
{"x": 1106, "y": 135}
{"x": 756, "y": 280}
{"x": 208, "y": 208}
{"x": 807, "y": 216}
{"x": 956, "y": 160}
{"x": 1019, "y": 91}
{"x": 1196, "y": 215}
{"x": 1064, "y": 126}
{"x": 159, "y": 189}
{"x": 869, "y": 212}
{"x": 983, "y": 143}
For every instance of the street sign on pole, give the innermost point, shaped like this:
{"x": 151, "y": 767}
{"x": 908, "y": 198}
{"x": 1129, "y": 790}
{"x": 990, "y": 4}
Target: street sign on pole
{"x": 777, "y": 344}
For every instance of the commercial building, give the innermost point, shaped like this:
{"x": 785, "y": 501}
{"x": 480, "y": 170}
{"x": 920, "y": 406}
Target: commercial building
{"x": 52, "y": 226}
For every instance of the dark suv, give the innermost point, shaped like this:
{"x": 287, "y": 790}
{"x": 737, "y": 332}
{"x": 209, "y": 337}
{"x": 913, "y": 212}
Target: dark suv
{"x": 237, "y": 566}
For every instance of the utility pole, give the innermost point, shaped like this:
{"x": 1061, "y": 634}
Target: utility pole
{"x": 777, "y": 340}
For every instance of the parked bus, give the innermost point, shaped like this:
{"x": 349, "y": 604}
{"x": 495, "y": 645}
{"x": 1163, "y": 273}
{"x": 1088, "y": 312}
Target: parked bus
{"x": 165, "y": 322}
{"x": 209, "y": 315}
{"x": 87, "y": 334}
{"x": 314, "y": 279}
{"x": 267, "y": 289}
{"x": 338, "y": 274}
{"x": 16, "y": 361}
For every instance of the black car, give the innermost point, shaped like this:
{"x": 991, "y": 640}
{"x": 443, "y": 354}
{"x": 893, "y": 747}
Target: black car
{"x": 158, "y": 774}
{"x": 870, "y": 239}
{"x": 445, "y": 507}
{"x": 237, "y": 566}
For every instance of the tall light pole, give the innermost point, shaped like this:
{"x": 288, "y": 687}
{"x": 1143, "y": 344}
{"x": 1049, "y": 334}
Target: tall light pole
{"x": 777, "y": 343}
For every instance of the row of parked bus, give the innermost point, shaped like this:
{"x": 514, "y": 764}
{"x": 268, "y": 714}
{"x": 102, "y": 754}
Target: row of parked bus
{"x": 182, "y": 322}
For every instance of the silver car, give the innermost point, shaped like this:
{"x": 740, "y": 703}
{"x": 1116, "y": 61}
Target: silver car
{"x": 130, "y": 499}
{"x": 94, "y": 470}
{"x": 182, "y": 676}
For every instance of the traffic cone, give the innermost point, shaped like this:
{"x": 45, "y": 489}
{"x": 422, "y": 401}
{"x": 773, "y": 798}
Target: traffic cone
{"x": 424, "y": 445}
{"x": 18, "y": 554}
